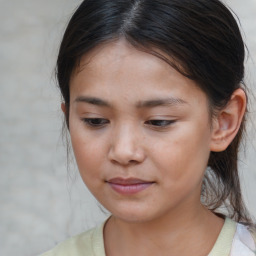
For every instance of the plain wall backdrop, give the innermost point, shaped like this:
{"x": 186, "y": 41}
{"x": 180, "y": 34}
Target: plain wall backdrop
{"x": 42, "y": 203}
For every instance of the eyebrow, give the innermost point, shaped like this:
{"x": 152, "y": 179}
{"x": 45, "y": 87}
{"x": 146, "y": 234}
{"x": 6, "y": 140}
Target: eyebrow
{"x": 171, "y": 101}
{"x": 93, "y": 101}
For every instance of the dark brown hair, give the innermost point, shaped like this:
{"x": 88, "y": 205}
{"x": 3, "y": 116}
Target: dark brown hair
{"x": 204, "y": 43}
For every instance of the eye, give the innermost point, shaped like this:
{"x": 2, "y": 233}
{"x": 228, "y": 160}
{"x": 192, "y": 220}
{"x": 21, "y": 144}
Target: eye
{"x": 160, "y": 123}
{"x": 95, "y": 122}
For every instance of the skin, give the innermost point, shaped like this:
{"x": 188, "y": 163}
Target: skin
{"x": 116, "y": 96}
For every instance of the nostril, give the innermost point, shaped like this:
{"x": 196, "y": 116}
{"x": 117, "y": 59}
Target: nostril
{"x": 133, "y": 161}
{"x": 124, "y": 162}
{"x": 126, "y": 157}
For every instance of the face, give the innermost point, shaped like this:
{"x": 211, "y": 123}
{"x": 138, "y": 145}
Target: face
{"x": 140, "y": 132}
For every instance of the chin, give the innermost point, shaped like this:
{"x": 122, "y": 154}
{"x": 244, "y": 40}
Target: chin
{"x": 131, "y": 215}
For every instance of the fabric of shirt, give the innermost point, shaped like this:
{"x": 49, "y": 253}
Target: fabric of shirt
{"x": 234, "y": 240}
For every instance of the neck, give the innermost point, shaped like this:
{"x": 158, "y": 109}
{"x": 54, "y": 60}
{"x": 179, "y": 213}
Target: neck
{"x": 181, "y": 233}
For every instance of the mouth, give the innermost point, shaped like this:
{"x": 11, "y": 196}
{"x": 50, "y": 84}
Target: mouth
{"x": 129, "y": 186}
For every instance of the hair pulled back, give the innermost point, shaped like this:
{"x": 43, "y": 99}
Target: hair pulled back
{"x": 203, "y": 42}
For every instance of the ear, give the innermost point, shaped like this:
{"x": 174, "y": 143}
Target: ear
{"x": 228, "y": 121}
{"x": 65, "y": 111}
{"x": 63, "y": 108}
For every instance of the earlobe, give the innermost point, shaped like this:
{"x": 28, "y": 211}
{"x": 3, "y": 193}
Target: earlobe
{"x": 228, "y": 121}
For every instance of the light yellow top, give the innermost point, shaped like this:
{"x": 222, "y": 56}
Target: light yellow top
{"x": 91, "y": 243}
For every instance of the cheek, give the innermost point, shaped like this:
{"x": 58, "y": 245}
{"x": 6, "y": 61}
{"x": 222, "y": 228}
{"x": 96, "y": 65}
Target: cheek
{"x": 184, "y": 155}
{"x": 89, "y": 161}
{"x": 88, "y": 153}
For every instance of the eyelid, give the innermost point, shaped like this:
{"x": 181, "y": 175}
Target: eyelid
{"x": 160, "y": 123}
{"x": 95, "y": 122}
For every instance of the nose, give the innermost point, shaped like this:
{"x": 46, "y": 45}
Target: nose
{"x": 126, "y": 147}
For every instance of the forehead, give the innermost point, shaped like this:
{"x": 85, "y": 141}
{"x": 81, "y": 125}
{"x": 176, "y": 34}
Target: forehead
{"x": 118, "y": 54}
{"x": 120, "y": 68}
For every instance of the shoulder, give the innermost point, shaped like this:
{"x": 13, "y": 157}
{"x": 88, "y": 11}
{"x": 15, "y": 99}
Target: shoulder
{"x": 89, "y": 243}
{"x": 244, "y": 241}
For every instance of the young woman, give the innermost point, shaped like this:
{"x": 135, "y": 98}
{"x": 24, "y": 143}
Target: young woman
{"x": 155, "y": 105}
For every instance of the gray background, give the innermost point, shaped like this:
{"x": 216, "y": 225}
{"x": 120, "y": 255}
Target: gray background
{"x": 41, "y": 202}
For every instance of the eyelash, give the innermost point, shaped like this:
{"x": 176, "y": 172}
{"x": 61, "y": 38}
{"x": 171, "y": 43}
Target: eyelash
{"x": 95, "y": 122}
{"x": 100, "y": 122}
{"x": 160, "y": 123}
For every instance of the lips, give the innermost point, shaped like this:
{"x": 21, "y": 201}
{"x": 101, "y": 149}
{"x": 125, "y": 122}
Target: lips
{"x": 129, "y": 186}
